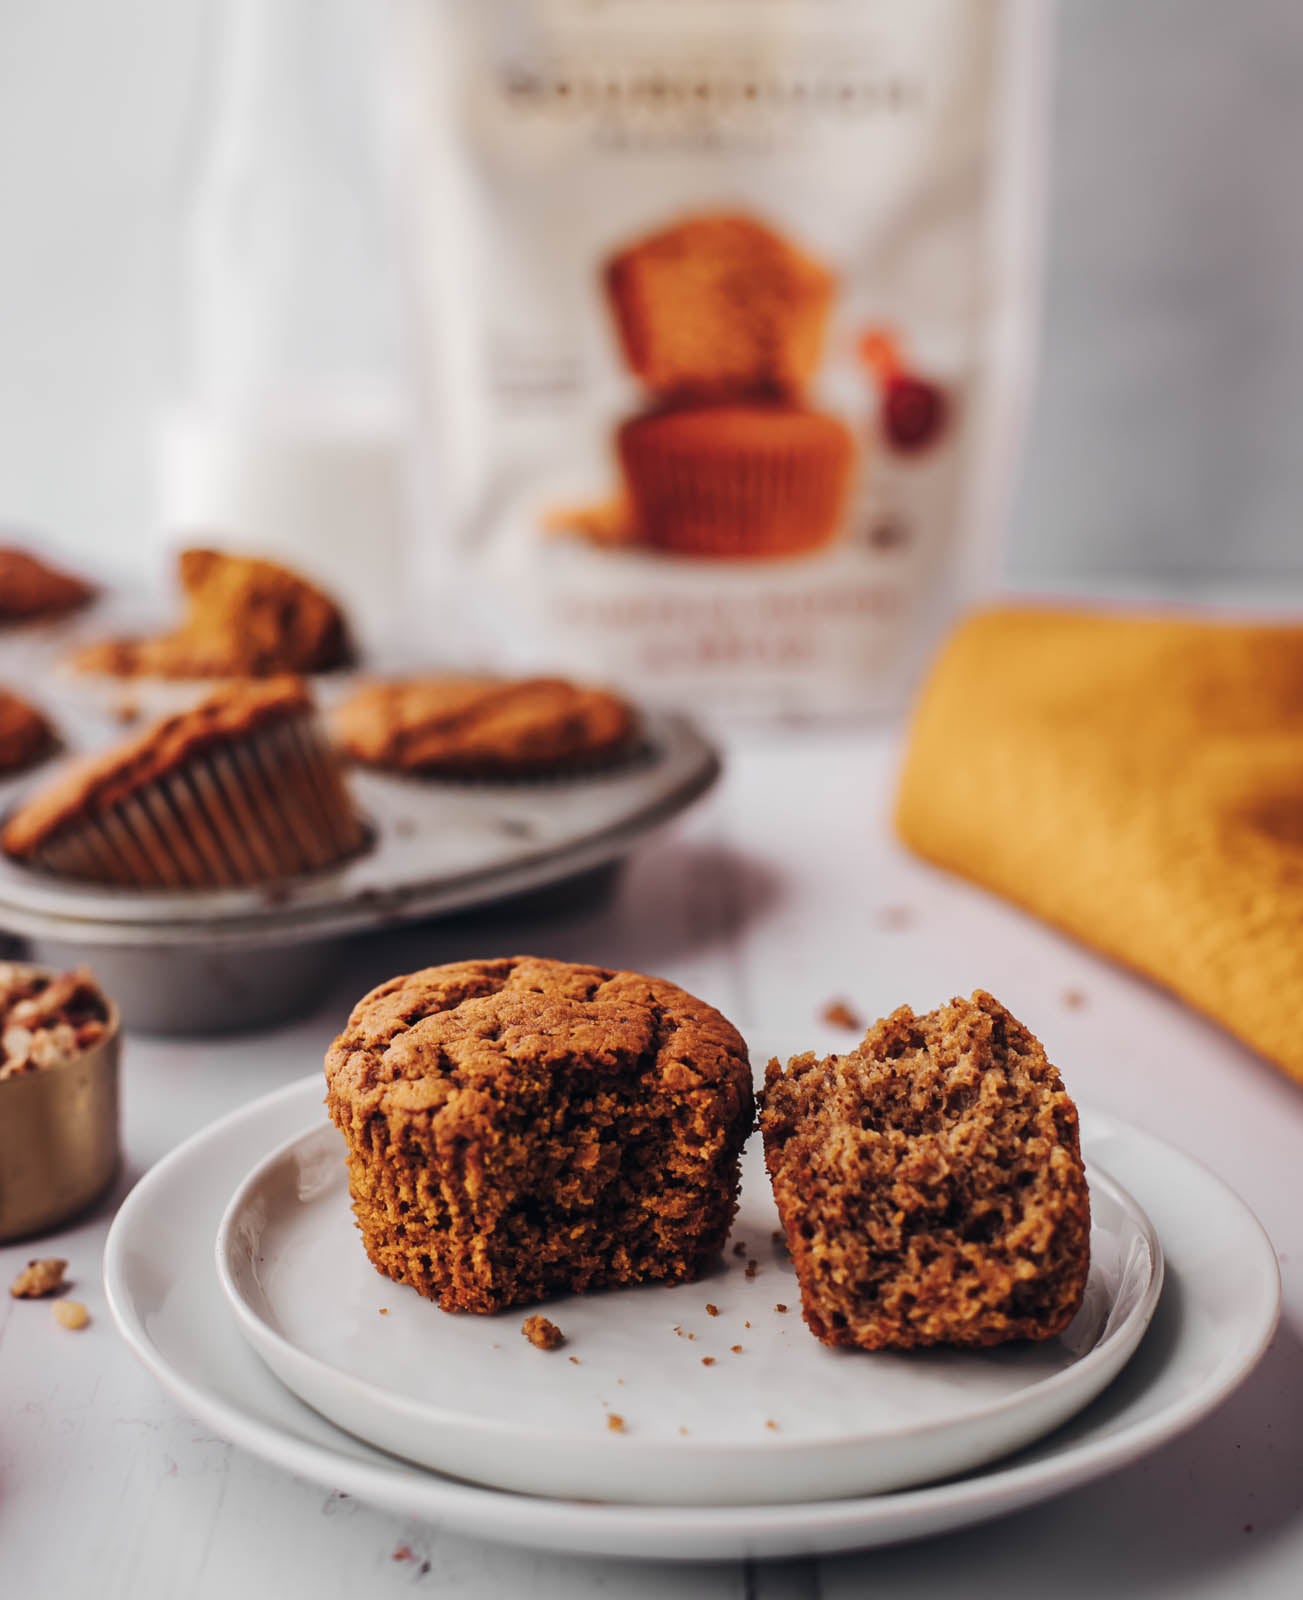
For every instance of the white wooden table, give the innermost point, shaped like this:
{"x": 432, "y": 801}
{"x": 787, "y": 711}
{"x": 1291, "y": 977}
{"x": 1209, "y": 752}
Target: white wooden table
{"x": 779, "y": 893}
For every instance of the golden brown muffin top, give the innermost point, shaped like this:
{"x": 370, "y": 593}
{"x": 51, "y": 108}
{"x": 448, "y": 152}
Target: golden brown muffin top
{"x": 737, "y": 425}
{"x": 719, "y": 303}
{"x": 105, "y": 779}
{"x": 24, "y": 732}
{"x": 30, "y": 588}
{"x": 245, "y": 617}
{"x": 475, "y": 1032}
{"x": 473, "y": 726}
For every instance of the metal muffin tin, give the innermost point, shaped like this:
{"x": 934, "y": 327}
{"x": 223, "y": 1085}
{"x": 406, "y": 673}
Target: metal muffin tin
{"x": 191, "y": 961}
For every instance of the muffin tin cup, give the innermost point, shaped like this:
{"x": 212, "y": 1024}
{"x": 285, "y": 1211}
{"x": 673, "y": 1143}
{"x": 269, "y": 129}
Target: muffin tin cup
{"x": 272, "y": 805}
{"x": 59, "y": 1149}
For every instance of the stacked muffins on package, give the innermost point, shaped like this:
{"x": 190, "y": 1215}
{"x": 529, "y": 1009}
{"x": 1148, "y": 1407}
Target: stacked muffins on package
{"x": 723, "y": 321}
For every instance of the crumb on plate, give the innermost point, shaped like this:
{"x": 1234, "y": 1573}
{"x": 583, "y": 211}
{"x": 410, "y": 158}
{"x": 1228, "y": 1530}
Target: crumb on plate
{"x": 542, "y": 1333}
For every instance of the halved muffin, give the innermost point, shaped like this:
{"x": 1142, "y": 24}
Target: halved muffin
{"x": 520, "y": 1128}
{"x": 484, "y": 727}
{"x": 245, "y": 617}
{"x": 239, "y": 789}
{"x": 930, "y": 1183}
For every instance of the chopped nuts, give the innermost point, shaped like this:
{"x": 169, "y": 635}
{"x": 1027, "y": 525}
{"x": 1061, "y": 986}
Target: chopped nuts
{"x": 44, "y": 1021}
{"x": 542, "y": 1333}
{"x": 70, "y": 1314}
{"x": 39, "y": 1278}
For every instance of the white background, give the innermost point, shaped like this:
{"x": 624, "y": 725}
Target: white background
{"x": 1163, "y": 449}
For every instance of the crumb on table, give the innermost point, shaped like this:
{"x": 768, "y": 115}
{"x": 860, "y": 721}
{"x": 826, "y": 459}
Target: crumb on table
{"x": 1073, "y": 999}
{"x": 70, "y": 1314}
{"x": 771, "y": 1424}
{"x": 753, "y": 1267}
{"x": 542, "y": 1333}
{"x": 780, "y": 1308}
{"x": 574, "y": 1361}
{"x": 841, "y": 1014}
{"x": 736, "y": 1349}
{"x": 711, "y": 1311}
{"x": 615, "y": 1422}
{"x": 708, "y": 1361}
{"x": 40, "y": 1277}
{"x": 740, "y": 1248}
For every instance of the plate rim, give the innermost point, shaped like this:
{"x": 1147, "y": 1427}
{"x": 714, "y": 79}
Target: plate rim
{"x": 608, "y": 1527}
{"x": 257, "y": 1331}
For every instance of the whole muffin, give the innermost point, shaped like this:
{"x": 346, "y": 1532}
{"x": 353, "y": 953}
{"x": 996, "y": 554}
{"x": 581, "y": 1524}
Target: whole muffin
{"x": 719, "y": 305}
{"x": 484, "y": 727}
{"x": 245, "y": 617}
{"x": 239, "y": 789}
{"x": 31, "y": 589}
{"x": 24, "y": 733}
{"x": 520, "y": 1128}
{"x": 742, "y": 480}
{"x": 930, "y": 1183}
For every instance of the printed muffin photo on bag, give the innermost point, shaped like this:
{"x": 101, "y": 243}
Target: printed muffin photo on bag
{"x": 722, "y": 320}
{"x": 720, "y": 332}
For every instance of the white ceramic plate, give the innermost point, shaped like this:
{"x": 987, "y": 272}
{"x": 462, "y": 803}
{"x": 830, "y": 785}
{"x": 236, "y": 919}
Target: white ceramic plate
{"x": 1214, "y": 1319}
{"x": 736, "y": 1408}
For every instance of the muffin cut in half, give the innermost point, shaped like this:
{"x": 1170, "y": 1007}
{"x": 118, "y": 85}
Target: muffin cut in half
{"x": 484, "y": 727}
{"x": 245, "y": 617}
{"x": 930, "y": 1183}
{"x": 240, "y": 789}
{"x": 520, "y": 1128}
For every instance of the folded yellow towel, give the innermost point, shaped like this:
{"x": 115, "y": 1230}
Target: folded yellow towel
{"x": 1137, "y": 781}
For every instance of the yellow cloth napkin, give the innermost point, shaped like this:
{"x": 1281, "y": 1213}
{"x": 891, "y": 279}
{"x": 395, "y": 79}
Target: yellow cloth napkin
{"x": 1138, "y": 781}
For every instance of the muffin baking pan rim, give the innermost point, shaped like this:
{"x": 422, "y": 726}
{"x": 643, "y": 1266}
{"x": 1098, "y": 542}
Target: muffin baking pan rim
{"x": 381, "y": 885}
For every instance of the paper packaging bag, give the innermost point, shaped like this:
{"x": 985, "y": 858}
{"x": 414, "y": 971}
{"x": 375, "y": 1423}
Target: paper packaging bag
{"x": 720, "y": 334}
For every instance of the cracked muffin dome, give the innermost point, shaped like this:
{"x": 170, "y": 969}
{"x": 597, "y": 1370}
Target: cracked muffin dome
{"x": 930, "y": 1183}
{"x": 519, "y": 1128}
{"x": 238, "y": 789}
{"x": 476, "y": 727}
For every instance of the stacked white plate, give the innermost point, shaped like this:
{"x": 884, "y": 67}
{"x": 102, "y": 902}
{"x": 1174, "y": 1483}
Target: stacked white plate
{"x": 678, "y": 1423}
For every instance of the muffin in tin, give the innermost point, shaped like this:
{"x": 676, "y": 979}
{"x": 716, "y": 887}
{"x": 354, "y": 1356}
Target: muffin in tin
{"x": 31, "y": 590}
{"x": 240, "y": 789}
{"x": 25, "y": 734}
{"x": 245, "y": 617}
{"x": 480, "y": 727}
